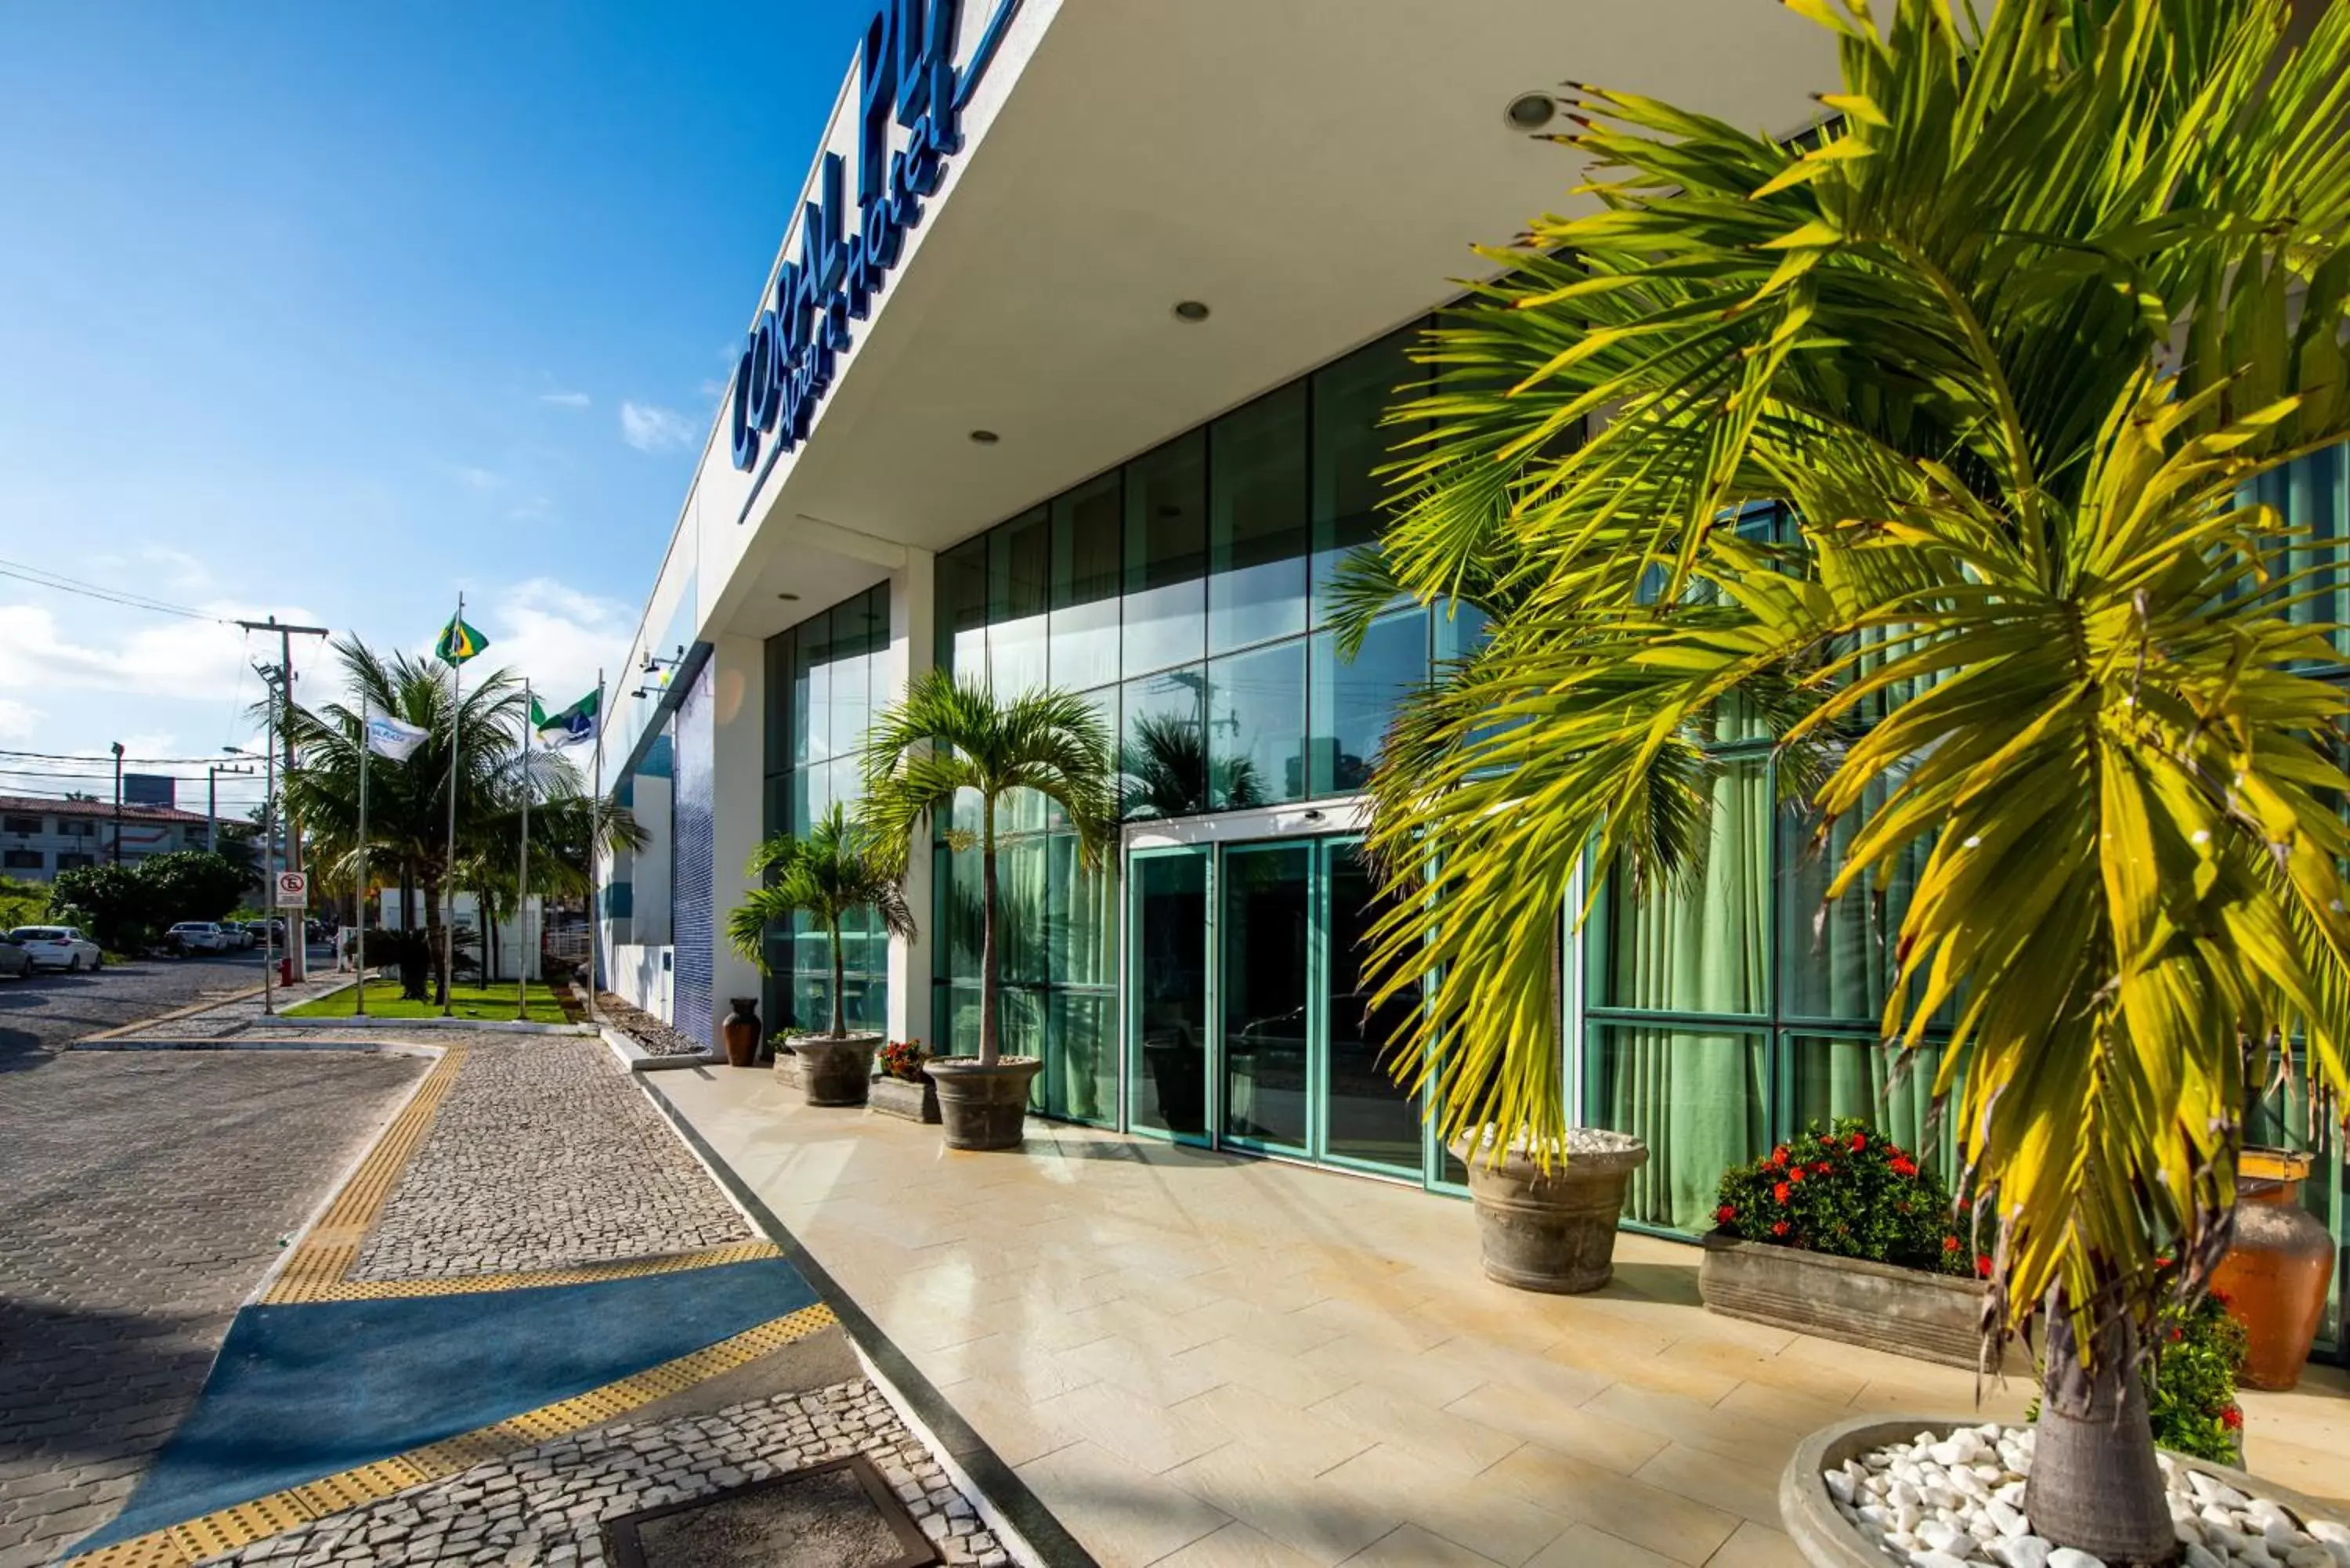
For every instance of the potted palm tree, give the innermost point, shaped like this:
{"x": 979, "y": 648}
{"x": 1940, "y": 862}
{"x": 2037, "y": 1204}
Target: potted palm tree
{"x": 1941, "y": 436}
{"x": 946, "y": 736}
{"x": 833, "y": 872}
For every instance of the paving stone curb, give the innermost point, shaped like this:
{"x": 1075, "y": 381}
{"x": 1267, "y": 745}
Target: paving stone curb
{"x": 637, "y": 1059}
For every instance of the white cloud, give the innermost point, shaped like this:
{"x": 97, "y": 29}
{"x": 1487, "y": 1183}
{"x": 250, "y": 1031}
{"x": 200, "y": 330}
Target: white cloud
{"x": 649, "y": 428}
{"x": 713, "y": 389}
{"x": 567, "y": 399}
{"x": 556, "y": 635}
{"x": 19, "y": 721}
{"x": 479, "y": 478}
{"x": 204, "y": 661}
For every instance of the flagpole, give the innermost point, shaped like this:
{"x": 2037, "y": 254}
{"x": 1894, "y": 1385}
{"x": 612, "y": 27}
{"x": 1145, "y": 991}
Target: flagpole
{"x": 596, "y": 809}
{"x": 521, "y": 875}
{"x": 359, "y": 904}
{"x": 449, "y": 873}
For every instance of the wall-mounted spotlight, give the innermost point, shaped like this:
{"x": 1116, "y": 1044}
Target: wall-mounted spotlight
{"x": 654, "y": 663}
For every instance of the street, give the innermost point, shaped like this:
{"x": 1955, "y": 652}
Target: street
{"x": 142, "y": 1195}
{"x": 40, "y": 1014}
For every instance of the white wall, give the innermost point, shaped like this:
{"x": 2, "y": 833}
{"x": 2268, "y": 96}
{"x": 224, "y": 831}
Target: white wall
{"x": 738, "y": 718}
{"x": 640, "y": 976}
{"x": 912, "y": 619}
{"x": 518, "y": 940}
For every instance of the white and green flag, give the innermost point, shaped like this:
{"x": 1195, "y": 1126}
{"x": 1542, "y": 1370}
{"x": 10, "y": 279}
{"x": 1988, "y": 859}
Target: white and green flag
{"x": 573, "y": 726}
{"x": 387, "y": 737}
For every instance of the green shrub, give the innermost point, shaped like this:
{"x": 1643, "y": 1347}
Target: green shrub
{"x": 1847, "y": 1190}
{"x": 2190, "y": 1381}
{"x": 23, "y": 903}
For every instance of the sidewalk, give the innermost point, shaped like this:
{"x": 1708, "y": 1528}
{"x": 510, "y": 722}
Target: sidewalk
{"x": 526, "y": 1311}
{"x": 1197, "y": 1360}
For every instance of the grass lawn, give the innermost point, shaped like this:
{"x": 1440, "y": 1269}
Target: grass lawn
{"x": 493, "y": 1002}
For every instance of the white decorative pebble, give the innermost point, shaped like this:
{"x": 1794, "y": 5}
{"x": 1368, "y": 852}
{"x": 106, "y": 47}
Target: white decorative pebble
{"x": 2203, "y": 1556}
{"x": 2021, "y": 1551}
{"x": 2328, "y": 1532}
{"x": 2071, "y": 1557}
{"x": 1839, "y": 1487}
{"x": 2309, "y": 1557}
{"x": 1934, "y": 1560}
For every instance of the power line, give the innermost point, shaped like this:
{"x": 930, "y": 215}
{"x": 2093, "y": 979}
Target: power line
{"x": 41, "y": 577}
{"x": 107, "y": 759}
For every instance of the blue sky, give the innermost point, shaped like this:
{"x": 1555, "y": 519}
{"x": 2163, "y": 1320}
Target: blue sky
{"x": 333, "y": 310}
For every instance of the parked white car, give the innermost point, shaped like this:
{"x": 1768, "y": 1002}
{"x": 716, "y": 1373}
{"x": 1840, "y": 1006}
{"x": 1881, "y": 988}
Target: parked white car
{"x": 13, "y": 959}
{"x": 198, "y": 936}
{"x": 59, "y": 946}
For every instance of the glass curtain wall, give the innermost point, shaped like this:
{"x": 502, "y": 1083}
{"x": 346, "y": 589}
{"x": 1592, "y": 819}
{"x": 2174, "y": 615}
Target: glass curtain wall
{"x": 1185, "y": 595}
{"x": 823, "y": 680}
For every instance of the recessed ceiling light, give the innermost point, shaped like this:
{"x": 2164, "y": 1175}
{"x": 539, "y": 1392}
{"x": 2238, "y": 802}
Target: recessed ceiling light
{"x": 792, "y": 598}
{"x": 985, "y": 438}
{"x": 1191, "y": 310}
{"x": 1531, "y": 112}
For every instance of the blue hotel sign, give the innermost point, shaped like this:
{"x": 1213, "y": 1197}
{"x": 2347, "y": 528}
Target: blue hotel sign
{"x": 907, "y": 75}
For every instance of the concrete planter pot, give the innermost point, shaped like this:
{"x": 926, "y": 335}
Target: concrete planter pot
{"x": 983, "y": 1107}
{"x": 897, "y": 1097}
{"x": 1551, "y": 1231}
{"x": 1824, "y": 1538}
{"x": 836, "y": 1069}
{"x": 1907, "y": 1311}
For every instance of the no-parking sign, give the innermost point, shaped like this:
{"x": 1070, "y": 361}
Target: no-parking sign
{"x": 293, "y": 889}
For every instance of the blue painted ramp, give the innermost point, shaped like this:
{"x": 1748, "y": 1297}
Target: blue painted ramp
{"x": 301, "y": 1392}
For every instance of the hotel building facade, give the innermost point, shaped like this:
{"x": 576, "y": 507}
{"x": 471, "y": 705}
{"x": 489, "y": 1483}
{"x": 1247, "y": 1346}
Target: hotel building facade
{"x": 1071, "y": 370}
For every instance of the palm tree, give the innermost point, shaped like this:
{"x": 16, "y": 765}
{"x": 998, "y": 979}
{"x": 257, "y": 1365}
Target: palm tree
{"x": 408, "y": 803}
{"x": 945, "y": 736}
{"x": 1165, "y": 771}
{"x": 2008, "y": 339}
{"x": 834, "y": 871}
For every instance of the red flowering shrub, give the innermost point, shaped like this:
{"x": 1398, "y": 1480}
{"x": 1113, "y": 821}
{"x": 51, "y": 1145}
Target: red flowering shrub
{"x": 2190, "y": 1380}
{"x": 903, "y": 1059}
{"x": 1845, "y": 1191}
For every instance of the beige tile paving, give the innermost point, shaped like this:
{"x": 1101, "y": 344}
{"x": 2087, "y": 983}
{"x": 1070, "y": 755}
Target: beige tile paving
{"x": 1204, "y": 1362}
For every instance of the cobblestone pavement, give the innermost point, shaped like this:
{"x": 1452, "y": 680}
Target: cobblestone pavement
{"x": 141, "y": 1197}
{"x": 544, "y": 1155}
{"x": 547, "y": 1504}
{"x": 43, "y": 1013}
{"x": 232, "y": 1017}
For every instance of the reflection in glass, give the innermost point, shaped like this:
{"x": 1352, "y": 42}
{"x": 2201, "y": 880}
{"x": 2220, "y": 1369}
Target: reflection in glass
{"x": 1169, "y": 994}
{"x": 1265, "y": 936}
{"x": 1351, "y": 442}
{"x": 1162, "y": 750}
{"x": 1371, "y": 1117}
{"x": 1257, "y": 727}
{"x": 1086, "y": 526}
{"x": 1838, "y": 959}
{"x": 962, "y": 609}
{"x": 1353, "y": 699}
{"x": 1700, "y": 1099}
{"x": 1165, "y": 607}
{"x": 1257, "y": 534}
{"x": 1019, "y": 588}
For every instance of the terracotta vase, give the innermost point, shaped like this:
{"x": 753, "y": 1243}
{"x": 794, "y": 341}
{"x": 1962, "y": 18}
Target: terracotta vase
{"x": 2276, "y": 1273}
{"x": 740, "y": 1029}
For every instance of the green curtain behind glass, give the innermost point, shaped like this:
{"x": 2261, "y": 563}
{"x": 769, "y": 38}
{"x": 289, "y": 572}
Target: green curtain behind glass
{"x": 1699, "y": 1100}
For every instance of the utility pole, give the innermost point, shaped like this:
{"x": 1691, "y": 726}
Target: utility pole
{"x": 117, "y": 802}
{"x": 296, "y": 943}
{"x": 211, "y": 799}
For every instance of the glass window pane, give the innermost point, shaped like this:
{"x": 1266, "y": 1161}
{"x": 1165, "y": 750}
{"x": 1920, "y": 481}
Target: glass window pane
{"x": 806, "y": 720}
{"x": 1163, "y": 747}
{"x": 1104, "y": 703}
{"x": 1167, "y": 993}
{"x": 1086, "y": 580}
{"x": 777, "y": 740}
{"x": 1866, "y": 1078}
{"x": 962, "y": 609}
{"x": 817, "y": 654}
{"x": 958, "y": 932}
{"x": 1459, "y": 629}
{"x": 1022, "y": 902}
{"x": 1257, "y": 534}
{"x": 954, "y": 1019}
{"x": 1257, "y": 727}
{"x": 1699, "y": 1099}
{"x": 1080, "y": 1077}
{"x": 2311, "y": 498}
{"x": 1165, "y": 607}
{"x": 1353, "y": 699}
{"x": 1019, "y": 585}
{"x": 1370, "y": 1116}
{"x": 1351, "y": 442}
{"x": 1265, "y": 934}
{"x": 1701, "y": 947}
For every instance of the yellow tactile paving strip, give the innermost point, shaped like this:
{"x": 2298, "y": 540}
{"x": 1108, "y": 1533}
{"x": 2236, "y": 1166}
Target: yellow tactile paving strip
{"x": 319, "y": 1269}
{"x": 227, "y": 1529}
{"x": 326, "y": 1251}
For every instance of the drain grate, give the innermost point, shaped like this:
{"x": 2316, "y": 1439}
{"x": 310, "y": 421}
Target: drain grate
{"x": 841, "y": 1514}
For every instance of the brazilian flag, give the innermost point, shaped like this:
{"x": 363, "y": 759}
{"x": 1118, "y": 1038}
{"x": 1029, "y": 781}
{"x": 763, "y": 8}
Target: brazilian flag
{"x": 458, "y": 642}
